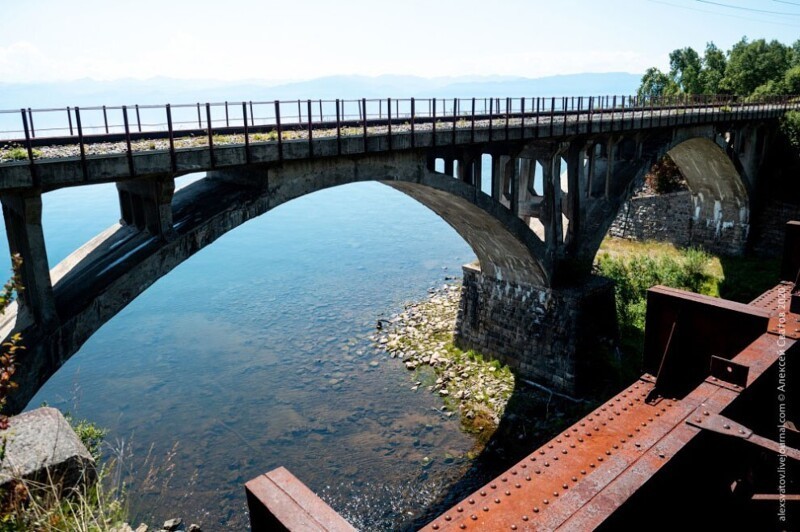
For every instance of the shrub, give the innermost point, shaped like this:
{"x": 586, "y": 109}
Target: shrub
{"x": 633, "y": 275}
{"x": 665, "y": 177}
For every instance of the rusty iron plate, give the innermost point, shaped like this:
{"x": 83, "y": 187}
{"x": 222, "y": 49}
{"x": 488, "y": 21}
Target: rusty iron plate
{"x": 279, "y": 501}
{"x": 581, "y": 477}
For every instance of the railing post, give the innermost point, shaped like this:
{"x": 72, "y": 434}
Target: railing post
{"x": 536, "y": 130}
{"x": 522, "y": 112}
{"x": 472, "y": 126}
{"x": 69, "y": 118}
{"x": 552, "y": 113}
{"x": 338, "y": 129}
{"x": 413, "y": 110}
{"x": 246, "y": 133}
{"x": 578, "y": 115}
{"x": 564, "y": 101}
{"x": 278, "y": 128}
{"x": 613, "y": 108}
{"x": 455, "y": 106}
{"x": 30, "y": 118}
{"x": 138, "y": 118}
{"x": 321, "y": 117}
{"x": 389, "y": 121}
{"x": 508, "y": 103}
{"x": 28, "y": 146}
{"x": 433, "y": 120}
{"x": 80, "y": 143}
{"x": 173, "y": 162}
{"x": 364, "y": 107}
{"x": 227, "y": 120}
{"x": 105, "y": 118}
{"x": 491, "y": 113}
{"x": 590, "y": 114}
{"x": 131, "y": 169}
{"x": 310, "y": 130}
{"x": 199, "y": 119}
{"x": 622, "y": 118}
{"x": 210, "y": 136}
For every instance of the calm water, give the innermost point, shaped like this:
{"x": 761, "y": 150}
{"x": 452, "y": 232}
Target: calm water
{"x": 255, "y": 353}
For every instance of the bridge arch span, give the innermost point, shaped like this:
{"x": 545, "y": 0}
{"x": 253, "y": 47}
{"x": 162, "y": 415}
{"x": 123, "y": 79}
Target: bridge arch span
{"x": 98, "y": 280}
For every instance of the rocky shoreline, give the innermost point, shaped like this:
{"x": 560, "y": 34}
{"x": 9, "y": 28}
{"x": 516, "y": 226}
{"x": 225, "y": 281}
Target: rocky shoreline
{"x": 421, "y": 336}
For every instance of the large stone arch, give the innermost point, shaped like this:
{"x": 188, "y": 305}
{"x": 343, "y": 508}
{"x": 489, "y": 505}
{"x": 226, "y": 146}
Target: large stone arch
{"x": 720, "y": 200}
{"x": 713, "y": 213}
{"x": 102, "y": 277}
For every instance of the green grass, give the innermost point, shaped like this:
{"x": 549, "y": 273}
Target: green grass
{"x": 17, "y": 153}
{"x": 636, "y": 266}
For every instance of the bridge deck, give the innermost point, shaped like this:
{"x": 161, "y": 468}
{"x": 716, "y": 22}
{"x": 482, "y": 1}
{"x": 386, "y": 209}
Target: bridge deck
{"x": 82, "y": 159}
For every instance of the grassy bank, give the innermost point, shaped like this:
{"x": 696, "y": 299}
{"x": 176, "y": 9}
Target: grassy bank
{"x": 636, "y": 266}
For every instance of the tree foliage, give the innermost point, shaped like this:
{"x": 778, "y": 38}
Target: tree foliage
{"x": 758, "y": 68}
{"x": 684, "y": 69}
{"x": 10, "y": 348}
{"x": 752, "y": 64}
{"x": 655, "y": 84}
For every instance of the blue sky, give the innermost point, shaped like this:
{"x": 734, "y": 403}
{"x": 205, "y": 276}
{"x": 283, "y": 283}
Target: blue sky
{"x": 47, "y": 40}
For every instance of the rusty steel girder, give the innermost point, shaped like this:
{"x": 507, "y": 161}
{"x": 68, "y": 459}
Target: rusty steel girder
{"x": 583, "y": 476}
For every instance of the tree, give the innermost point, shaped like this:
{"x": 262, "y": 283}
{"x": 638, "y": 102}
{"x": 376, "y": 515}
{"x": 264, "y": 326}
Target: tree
{"x": 796, "y": 53}
{"x": 791, "y": 81}
{"x": 713, "y": 70}
{"x": 752, "y": 64}
{"x": 655, "y": 84}
{"x": 684, "y": 69}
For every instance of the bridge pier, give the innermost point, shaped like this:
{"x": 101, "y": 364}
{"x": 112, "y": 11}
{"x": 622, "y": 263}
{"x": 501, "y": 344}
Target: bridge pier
{"x": 147, "y": 204}
{"x": 23, "y": 217}
{"x": 548, "y": 335}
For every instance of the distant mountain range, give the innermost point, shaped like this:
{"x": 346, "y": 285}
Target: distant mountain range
{"x": 166, "y": 90}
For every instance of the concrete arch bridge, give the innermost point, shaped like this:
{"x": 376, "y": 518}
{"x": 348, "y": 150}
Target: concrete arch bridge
{"x": 556, "y": 176}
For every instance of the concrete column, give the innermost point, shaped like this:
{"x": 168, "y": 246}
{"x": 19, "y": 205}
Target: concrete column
{"x": 477, "y": 169}
{"x": 147, "y": 204}
{"x": 512, "y": 173}
{"x": 551, "y": 175}
{"x": 576, "y": 182}
{"x": 498, "y": 176}
{"x": 448, "y": 166}
{"x": 611, "y": 157}
{"x": 23, "y": 217}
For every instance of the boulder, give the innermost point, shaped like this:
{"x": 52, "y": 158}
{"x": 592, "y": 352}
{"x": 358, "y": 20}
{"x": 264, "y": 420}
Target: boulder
{"x": 41, "y": 446}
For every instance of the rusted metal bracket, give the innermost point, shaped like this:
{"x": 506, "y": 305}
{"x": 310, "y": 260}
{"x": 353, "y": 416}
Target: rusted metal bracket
{"x": 787, "y": 325}
{"x": 703, "y": 419}
{"x": 729, "y": 371}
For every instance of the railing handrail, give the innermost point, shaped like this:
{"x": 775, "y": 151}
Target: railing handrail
{"x": 308, "y": 116}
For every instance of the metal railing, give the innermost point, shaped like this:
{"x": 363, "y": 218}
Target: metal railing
{"x": 306, "y": 120}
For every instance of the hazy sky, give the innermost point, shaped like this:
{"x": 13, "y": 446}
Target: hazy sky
{"x": 301, "y": 39}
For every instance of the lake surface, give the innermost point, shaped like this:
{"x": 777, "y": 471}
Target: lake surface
{"x": 255, "y": 353}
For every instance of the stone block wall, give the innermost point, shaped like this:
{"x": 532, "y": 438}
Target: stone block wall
{"x": 770, "y": 227}
{"x": 684, "y": 220}
{"x": 545, "y": 335}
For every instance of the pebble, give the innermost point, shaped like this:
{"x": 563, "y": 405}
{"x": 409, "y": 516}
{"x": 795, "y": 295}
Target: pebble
{"x": 415, "y": 336}
{"x": 172, "y": 524}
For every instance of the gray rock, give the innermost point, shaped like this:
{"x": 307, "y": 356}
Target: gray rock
{"x": 173, "y": 524}
{"x": 40, "y": 445}
{"x": 194, "y": 528}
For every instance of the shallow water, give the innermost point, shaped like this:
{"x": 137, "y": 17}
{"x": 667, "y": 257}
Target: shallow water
{"x": 255, "y": 353}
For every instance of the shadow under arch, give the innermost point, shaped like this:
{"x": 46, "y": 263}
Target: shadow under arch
{"x": 720, "y": 198}
{"x": 98, "y": 280}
